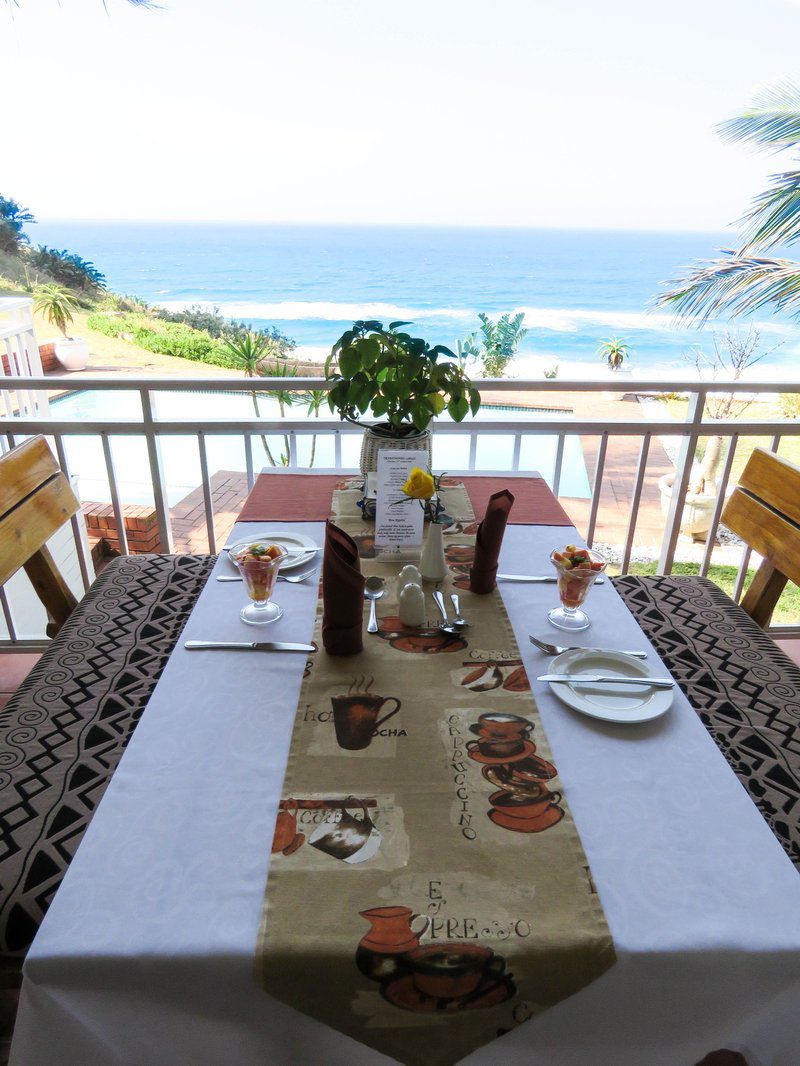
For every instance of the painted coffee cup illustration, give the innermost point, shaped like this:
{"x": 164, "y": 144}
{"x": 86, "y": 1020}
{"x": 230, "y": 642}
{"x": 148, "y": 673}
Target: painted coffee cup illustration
{"x": 285, "y": 825}
{"x": 452, "y": 970}
{"x": 355, "y": 715}
{"x": 349, "y": 839}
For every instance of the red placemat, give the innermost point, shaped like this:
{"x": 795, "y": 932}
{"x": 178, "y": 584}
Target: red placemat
{"x": 307, "y": 498}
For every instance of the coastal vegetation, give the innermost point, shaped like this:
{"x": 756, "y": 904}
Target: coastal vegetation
{"x": 614, "y": 352}
{"x": 751, "y": 276}
{"x": 495, "y": 344}
{"x": 57, "y": 306}
{"x": 63, "y": 283}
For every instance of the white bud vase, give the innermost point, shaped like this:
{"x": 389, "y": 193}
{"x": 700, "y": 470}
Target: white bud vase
{"x": 432, "y": 565}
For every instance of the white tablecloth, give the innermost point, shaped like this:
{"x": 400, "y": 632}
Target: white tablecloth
{"x": 146, "y": 954}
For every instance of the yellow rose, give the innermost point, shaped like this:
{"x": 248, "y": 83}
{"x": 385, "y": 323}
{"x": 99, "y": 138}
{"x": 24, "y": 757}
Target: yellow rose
{"x": 419, "y": 485}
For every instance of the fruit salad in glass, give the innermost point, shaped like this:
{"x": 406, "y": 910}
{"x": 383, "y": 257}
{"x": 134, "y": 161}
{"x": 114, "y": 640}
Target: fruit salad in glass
{"x": 577, "y": 570}
{"x": 258, "y": 563}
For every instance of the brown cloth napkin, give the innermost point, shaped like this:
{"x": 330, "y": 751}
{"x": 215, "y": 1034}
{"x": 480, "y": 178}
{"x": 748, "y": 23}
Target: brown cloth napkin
{"x": 342, "y": 594}
{"x": 488, "y": 541}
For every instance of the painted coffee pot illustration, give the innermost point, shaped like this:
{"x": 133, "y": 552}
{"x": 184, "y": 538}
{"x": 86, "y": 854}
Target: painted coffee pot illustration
{"x": 380, "y": 953}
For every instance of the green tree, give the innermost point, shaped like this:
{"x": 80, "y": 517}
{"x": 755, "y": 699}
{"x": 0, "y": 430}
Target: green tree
{"x": 614, "y": 352}
{"x": 56, "y": 304}
{"x": 743, "y": 279}
{"x": 497, "y": 343}
{"x": 12, "y": 219}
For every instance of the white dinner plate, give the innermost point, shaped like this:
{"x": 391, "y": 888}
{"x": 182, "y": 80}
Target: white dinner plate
{"x": 284, "y": 539}
{"x": 611, "y": 703}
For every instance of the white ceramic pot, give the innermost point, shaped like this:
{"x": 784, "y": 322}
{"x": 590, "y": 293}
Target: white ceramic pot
{"x": 72, "y": 353}
{"x": 697, "y": 510}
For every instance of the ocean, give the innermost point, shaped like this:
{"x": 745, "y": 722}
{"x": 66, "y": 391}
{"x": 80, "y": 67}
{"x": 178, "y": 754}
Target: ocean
{"x": 575, "y": 287}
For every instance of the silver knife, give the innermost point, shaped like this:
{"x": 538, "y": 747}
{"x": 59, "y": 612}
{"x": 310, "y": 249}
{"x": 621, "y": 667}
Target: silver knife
{"x": 605, "y": 679}
{"x": 240, "y": 645}
{"x": 545, "y": 580}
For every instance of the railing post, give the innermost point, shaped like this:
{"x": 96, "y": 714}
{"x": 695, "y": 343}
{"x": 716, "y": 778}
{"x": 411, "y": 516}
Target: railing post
{"x": 248, "y": 460}
{"x": 156, "y": 473}
{"x": 597, "y": 488}
{"x": 683, "y": 471}
{"x": 119, "y": 517}
{"x": 558, "y": 464}
{"x": 208, "y": 502}
{"x": 78, "y": 527}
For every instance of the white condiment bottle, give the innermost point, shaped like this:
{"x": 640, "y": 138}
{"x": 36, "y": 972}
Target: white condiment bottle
{"x": 408, "y": 575}
{"x": 412, "y": 605}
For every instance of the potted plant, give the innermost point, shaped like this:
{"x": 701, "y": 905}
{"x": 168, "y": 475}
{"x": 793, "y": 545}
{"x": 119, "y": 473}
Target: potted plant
{"x": 57, "y": 305}
{"x": 614, "y": 352}
{"x": 400, "y": 380}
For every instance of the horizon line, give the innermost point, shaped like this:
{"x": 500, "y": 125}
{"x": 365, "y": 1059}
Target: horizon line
{"x": 375, "y": 225}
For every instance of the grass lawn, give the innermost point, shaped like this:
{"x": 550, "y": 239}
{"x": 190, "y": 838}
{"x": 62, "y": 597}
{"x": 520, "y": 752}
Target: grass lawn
{"x": 789, "y": 447}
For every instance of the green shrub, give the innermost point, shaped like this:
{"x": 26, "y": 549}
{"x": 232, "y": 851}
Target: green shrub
{"x": 166, "y": 338}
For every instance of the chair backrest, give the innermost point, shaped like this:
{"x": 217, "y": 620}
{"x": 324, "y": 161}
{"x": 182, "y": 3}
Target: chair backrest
{"x": 35, "y": 501}
{"x": 764, "y": 510}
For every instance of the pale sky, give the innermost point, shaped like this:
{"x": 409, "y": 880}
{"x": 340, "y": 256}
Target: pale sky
{"x": 498, "y": 112}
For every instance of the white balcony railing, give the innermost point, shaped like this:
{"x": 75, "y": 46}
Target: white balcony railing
{"x": 148, "y": 426}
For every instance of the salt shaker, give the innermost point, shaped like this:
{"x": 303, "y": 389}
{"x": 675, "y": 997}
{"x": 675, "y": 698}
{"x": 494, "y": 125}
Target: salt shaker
{"x": 412, "y": 604}
{"x": 406, "y": 576}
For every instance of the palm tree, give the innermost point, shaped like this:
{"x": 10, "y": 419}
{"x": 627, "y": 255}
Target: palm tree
{"x": 614, "y": 351}
{"x": 314, "y": 399}
{"x": 285, "y": 399}
{"x": 247, "y": 352}
{"x": 57, "y": 305}
{"x": 747, "y": 277}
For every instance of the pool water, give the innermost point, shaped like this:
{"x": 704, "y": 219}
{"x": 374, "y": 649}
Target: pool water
{"x": 181, "y": 459}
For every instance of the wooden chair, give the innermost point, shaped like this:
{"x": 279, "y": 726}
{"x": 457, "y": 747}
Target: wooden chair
{"x": 35, "y": 501}
{"x": 764, "y": 510}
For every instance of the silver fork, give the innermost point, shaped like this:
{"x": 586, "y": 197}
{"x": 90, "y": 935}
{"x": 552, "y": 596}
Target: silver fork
{"x": 294, "y": 579}
{"x": 556, "y": 649}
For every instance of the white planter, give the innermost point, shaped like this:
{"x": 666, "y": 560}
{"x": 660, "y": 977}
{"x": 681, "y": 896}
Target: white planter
{"x": 373, "y": 442}
{"x": 73, "y": 353}
{"x": 697, "y": 510}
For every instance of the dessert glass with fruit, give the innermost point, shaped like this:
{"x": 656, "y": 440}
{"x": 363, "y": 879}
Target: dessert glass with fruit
{"x": 577, "y": 570}
{"x": 258, "y": 563}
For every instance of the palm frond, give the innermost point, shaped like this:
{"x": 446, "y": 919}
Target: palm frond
{"x": 774, "y": 217}
{"x": 733, "y": 285}
{"x": 771, "y": 121}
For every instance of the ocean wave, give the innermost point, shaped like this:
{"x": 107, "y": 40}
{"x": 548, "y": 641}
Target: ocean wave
{"x": 550, "y": 319}
{"x": 328, "y": 311}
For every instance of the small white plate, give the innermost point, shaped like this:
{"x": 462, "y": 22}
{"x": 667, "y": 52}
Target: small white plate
{"x": 284, "y": 539}
{"x": 611, "y": 703}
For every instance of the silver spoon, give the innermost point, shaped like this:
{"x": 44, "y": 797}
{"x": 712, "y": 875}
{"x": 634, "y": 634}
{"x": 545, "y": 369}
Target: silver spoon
{"x": 458, "y": 621}
{"x": 375, "y": 588}
{"x": 557, "y": 649}
{"x": 446, "y": 626}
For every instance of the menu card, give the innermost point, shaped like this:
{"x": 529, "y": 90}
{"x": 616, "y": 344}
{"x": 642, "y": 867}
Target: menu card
{"x": 398, "y": 525}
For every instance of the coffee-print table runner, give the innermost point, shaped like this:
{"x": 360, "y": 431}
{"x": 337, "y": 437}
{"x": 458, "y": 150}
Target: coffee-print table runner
{"x": 428, "y": 890}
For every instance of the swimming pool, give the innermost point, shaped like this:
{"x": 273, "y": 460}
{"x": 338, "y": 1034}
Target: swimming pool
{"x": 182, "y": 463}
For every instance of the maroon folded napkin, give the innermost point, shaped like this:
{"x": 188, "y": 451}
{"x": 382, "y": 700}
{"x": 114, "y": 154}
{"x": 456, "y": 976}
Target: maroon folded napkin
{"x": 342, "y": 594}
{"x": 488, "y": 541}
